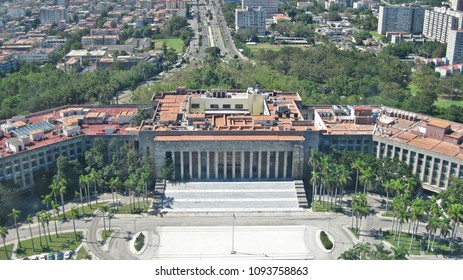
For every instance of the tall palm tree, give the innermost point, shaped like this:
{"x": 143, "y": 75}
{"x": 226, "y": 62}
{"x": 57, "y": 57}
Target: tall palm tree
{"x": 343, "y": 176}
{"x": 3, "y": 234}
{"x": 358, "y": 165}
{"x": 37, "y": 215}
{"x": 114, "y": 184}
{"x": 30, "y": 221}
{"x": 54, "y": 190}
{"x": 455, "y": 213}
{"x": 444, "y": 226}
{"x": 62, "y": 190}
{"x": 402, "y": 216}
{"x": 316, "y": 181}
{"x": 361, "y": 208}
{"x": 416, "y": 215}
{"x": 314, "y": 162}
{"x": 389, "y": 186}
{"x": 15, "y": 214}
{"x": 83, "y": 181}
{"x": 55, "y": 208}
{"x": 399, "y": 253}
{"x": 104, "y": 209}
{"x": 130, "y": 185}
{"x": 144, "y": 179}
{"x": 431, "y": 228}
{"x": 47, "y": 199}
{"x": 93, "y": 179}
{"x": 43, "y": 218}
{"x": 74, "y": 216}
{"x": 367, "y": 176}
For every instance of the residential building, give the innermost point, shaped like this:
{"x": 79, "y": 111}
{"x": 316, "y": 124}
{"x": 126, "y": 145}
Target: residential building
{"x": 269, "y": 6}
{"x": 38, "y": 55}
{"x": 456, "y": 5}
{"x": 455, "y": 46}
{"x": 54, "y": 15}
{"x": 439, "y": 21}
{"x": 176, "y": 8}
{"x": 88, "y": 41}
{"x": 249, "y": 18}
{"x": 407, "y": 19}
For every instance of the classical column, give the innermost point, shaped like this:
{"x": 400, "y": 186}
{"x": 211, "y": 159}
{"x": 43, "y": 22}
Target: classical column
{"x": 233, "y": 164}
{"x": 268, "y": 165}
{"x": 378, "y": 149}
{"x": 285, "y": 164}
{"x": 207, "y": 164}
{"x": 277, "y": 163}
{"x": 250, "y": 163}
{"x": 217, "y": 165}
{"x": 181, "y": 165}
{"x": 242, "y": 164}
{"x": 259, "y": 165}
{"x": 199, "y": 165}
{"x": 439, "y": 174}
{"x": 225, "y": 165}
{"x": 190, "y": 159}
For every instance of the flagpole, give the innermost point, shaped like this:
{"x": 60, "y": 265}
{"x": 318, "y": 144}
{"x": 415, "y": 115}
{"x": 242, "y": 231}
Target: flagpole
{"x": 233, "y": 235}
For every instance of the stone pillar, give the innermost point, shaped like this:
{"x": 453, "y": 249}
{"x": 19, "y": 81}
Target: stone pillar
{"x": 216, "y": 165}
{"x": 277, "y": 162}
{"x": 285, "y": 164}
{"x": 207, "y": 165}
{"x": 242, "y": 164}
{"x": 268, "y": 165}
{"x": 259, "y": 165}
{"x": 233, "y": 164}
{"x": 181, "y": 165}
{"x": 250, "y": 163}
{"x": 225, "y": 165}
{"x": 190, "y": 159}
{"x": 199, "y": 165}
{"x": 439, "y": 174}
{"x": 378, "y": 150}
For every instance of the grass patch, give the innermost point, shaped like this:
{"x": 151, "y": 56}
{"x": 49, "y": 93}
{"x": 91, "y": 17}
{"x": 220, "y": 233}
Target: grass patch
{"x": 106, "y": 234}
{"x": 319, "y": 207}
{"x": 354, "y": 232}
{"x": 88, "y": 211}
{"x": 413, "y": 89}
{"x": 389, "y": 213}
{"x": 445, "y": 103}
{"x": 405, "y": 239}
{"x": 273, "y": 47}
{"x": 175, "y": 43}
{"x": 377, "y": 35}
{"x": 83, "y": 254}
{"x": 140, "y": 241}
{"x": 125, "y": 209}
{"x": 326, "y": 241}
{"x": 9, "y": 250}
{"x": 63, "y": 242}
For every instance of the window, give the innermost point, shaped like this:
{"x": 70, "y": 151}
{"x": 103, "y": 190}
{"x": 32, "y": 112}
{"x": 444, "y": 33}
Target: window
{"x": 214, "y": 106}
{"x": 238, "y": 106}
{"x": 195, "y": 106}
{"x": 226, "y": 106}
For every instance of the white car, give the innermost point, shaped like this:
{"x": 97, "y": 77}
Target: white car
{"x": 34, "y": 257}
{"x": 43, "y": 256}
{"x": 68, "y": 254}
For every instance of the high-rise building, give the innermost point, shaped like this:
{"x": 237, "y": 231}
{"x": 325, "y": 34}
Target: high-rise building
{"x": 407, "y": 19}
{"x": 250, "y": 18}
{"x": 439, "y": 21}
{"x": 270, "y": 6}
{"x": 455, "y": 46}
{"x": 456, "y": 5}
{"x": 53, "y": 15}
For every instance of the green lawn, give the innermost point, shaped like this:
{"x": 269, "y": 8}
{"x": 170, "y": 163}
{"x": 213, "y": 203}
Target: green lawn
{"x": 404, "y": 241}
{"x": 267, "y": 46}
{"x": 87, "y": 211}
{"x": 445, "y": 103}
{"x": 9, "y": 249}
{"x": 83, "y": 254}
{"x": 63, "y": 242}
{"x": 320, "y": 208}
{"x": 125, "y": 209}
{"x": 175, "y": 43}
{"x": 389, "y": 213}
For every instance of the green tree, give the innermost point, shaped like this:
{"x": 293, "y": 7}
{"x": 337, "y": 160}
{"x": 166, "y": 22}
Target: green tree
{"x": 74, "y": 216}
{"x": 15, "y": 213}
{"x": 104, "y": 209}
{"x": 114, "y": 183}
{"x": 367, "y": 177}
{"x": 361, "y": 209}
{"x": 62, "y": 190}
{"x": 30, "y": 221}
{"x": 3, "y": 234}
{"x": 55, "y": 208}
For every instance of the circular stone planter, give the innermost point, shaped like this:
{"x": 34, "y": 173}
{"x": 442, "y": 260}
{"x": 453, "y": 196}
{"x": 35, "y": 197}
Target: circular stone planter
{"x": 132, "y": 243}
{"x": 320, "y": 244}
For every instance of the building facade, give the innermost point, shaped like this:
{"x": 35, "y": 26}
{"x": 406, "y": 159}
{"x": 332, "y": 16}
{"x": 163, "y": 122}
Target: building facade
{"x": 439, "y": 21}
{"x": 53, "y": 15}
{"x": 269, "y": 6}
{"x": 455, "y": 46}
{"x": 407, "y": 19}
{"x": 219, "y": 135}
{"x": 250, "y": 18}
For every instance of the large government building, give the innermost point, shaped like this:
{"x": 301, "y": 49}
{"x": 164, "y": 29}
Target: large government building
{"x": 232, "y": 135}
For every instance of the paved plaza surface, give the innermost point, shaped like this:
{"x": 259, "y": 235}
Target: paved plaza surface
{"x": 250, "y": 242}
{"x": 267, "y": 196}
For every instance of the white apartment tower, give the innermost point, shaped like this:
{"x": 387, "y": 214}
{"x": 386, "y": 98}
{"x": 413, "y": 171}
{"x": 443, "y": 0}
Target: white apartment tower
{"x": 456, "y": 5}
{"x": 270, "y": 6}
{"x": 53, "y": 15}
{"x": 250, "y": 18}
{"x": 455, "y": 46}
{"x": 408, "y": 19}
{"x": 439, "y": 21}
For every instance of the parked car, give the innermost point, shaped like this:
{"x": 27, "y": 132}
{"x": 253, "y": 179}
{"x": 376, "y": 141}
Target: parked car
{"x": 59, "y": 256}
{"x": 43, "y": 256}
{"x": 51, "y": 256}
{"x": 68, "y": 254}
{"x": 34, "y": 257}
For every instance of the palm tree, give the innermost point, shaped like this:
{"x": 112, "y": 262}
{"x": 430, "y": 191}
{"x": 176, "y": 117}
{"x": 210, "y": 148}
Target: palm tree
{"x": 399, "y": 253}
{"x": 47, "y": 199}
{"x": 381, "y": 253}
{"x": 40, "y": 232}
{"x": 402, "y": 216}
{"x": 130, "y": 185}
{"x": 62, "y": 190}
{"x": 114, "y": 184}
{"x": 29, "y": 221}
{"x": 455, "y": 213}
{"x": 83, "y": 181}
{"x": 3, "y": 234}
{"x": 15, "y": 214}
{"x": 93, "y": 178}
{"x": 431, "y": 228}
{"x": 388, "y": 187}
{"x": 367, "y": 177}
{"x": 316, "y": 181}
{"x": 343, "y": 176}
{"x": 416, "y": 215}
{"x": 358, "y": 165}
{"x": 42, "y": 215}
{"x": 314, "y": 162}
{"x": 55, "y": 208}
{"x": 74, "y": 215}
{"x": 444, "y": 226}
{"x": 144, "y": 179}
{"x": 361, "y": 208}
{"x": 104, "y": 209}
{"x": 54, "y": 190}
{"x": 46, "y": 217}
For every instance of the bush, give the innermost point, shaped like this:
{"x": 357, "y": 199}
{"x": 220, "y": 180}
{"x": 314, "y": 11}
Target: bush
{"x": 326, "y": 241}
{"x": 139, "y": 242}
